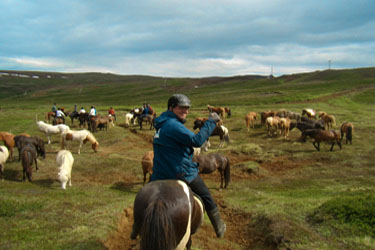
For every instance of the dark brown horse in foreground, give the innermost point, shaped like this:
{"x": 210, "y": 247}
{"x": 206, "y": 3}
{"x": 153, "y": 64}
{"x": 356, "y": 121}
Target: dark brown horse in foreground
{"x": 319, "y": 135}
{"x": 166, "y": 214}
{"x": 21, "y": 141}
{"x": 28, "y": 156}
{"x": 347, "y": 129}
{"x": 210, "y": 162}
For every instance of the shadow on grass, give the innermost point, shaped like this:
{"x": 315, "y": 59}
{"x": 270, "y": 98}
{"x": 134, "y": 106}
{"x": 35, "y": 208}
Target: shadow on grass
{"x": 127, "y": 187}
{"x": 45, "y": 182}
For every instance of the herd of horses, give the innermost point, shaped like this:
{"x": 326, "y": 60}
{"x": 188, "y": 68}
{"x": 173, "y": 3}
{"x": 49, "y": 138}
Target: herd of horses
{"x": 317, "y": 126}
{"x": 167, "y": 213}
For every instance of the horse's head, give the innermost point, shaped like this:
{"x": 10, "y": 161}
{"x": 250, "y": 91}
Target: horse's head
{"x": 198, "y": 124}
{"x": 95, "y": 146}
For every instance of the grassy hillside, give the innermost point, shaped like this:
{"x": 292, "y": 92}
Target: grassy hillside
{"x": 284, "y": 194}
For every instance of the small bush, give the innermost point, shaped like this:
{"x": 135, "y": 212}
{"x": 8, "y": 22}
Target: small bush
{"x": 357, "y": 210}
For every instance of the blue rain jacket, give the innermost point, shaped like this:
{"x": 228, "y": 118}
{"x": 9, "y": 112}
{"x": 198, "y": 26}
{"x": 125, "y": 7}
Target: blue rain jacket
{"x": 173, "y": 148}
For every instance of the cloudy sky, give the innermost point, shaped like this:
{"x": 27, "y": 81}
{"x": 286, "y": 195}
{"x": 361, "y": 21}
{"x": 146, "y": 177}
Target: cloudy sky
{"x": 186, "y": 38}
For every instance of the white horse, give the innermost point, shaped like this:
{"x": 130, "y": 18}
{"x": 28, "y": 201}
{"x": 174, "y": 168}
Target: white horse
{"x": 128, "y": 118}
{"x": 111, "y": 120}
{"x": 82, "y": 136}
{"x": 51, "y": 129}
{"x": 224, "y": 136}
{"x": 4, "y": 154}
{"x": 65, "y": 160}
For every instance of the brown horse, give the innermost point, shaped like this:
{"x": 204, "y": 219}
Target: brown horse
{"x": 99, "y": 121}
{"x": 264, "y": 115}
{"x": 210, "y": 162}
{"x": 347, "y": 128}
{"x": 147, "y": 164}
{"x": 228, "y": 111}
{"x": 50, "y": 115}
{"x": 8, "y": 139}
{"x": 219, "y": 130}
{"x": 250, "y": 120}
{"x": 166, "y": 214}
{"x": 319, "y": 135}
{"x": 58, "y": 120}
{"x": 28, "y": 156}
{"x": 218, "y": 110}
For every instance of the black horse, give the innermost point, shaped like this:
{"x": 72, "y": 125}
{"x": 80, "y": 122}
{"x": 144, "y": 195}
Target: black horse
{"x": 210, "y": 162}
{"x": 83, "y": 119}
{"x": 166, "y": 214}
{"x": 21, "y": 141}
{"x": 73, "y": 115}
{"x": 312, "y": 124}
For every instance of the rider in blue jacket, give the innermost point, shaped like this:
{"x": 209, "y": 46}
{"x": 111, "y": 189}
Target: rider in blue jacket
{"x": 173, "y": 153}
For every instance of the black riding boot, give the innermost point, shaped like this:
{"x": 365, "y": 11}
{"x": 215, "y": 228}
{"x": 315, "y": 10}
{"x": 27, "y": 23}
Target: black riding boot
{"x": 216, "y": 222}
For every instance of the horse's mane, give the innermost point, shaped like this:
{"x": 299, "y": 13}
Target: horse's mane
{"x": 90, "y": 137}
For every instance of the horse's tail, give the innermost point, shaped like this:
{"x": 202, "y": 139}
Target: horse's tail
{"x": 349, "y": 133}
{"x": 157, "y": 230}
{"x": 226, "y": 135}
{"x": 227, "y": 173}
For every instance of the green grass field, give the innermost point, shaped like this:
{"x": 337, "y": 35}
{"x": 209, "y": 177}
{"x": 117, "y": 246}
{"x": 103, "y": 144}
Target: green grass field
{"x": 284, "y": 194}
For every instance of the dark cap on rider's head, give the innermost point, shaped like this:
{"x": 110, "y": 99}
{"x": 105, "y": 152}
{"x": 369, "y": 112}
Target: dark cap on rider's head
{"x": 178, "y": 100}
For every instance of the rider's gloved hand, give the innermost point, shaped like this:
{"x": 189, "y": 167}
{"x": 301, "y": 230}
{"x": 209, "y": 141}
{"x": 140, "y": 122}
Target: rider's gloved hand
{"x": 215, "y": 117}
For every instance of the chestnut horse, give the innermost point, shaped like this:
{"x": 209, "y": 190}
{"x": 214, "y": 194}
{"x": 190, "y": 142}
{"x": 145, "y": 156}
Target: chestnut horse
{"x": 319, "y": 135}
{"x": 8, "y": 139}
{"x": 273, "y": 125}
{"x": 147, "y": 164}
{"x": 210, "y": 162}
{"x": 166, "y": 214}
{"x": 347, "y": 128}
{"x": 250, "y": 120}
{"x": 50, "y": 115}
{"x": 218, "y": 110}
{"x": 264, "y": 115}
{"x": 329, "y": 120}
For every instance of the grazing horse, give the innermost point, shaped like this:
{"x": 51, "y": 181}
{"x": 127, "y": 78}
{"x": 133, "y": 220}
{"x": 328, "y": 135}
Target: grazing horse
{"x": 218, "y": 110}
{"x": 64, "y": 160}
{"x": 264, "y": 115}
{"x": 293, "y": 115}
{"x": 329, "y": 121}
{"x": 82, "y": 136}
{"x": 272, "y": 124}
{"x": 146, "y": 118}
{"x": 28, "y": 156}
{"x": 21, "y": 141}
{"x": 285, "y": 126}
{"x": 129, "y": 119}
{"x": 147, "y": 164}
{"x": 347, "y": 128}
{"x": 250, "y": 120}
{"x": 310, "y": 113}
{"x": 281, "y": 113}
{"x": 4, "y": 154}
{"x": 319, "y": 135}
{"x": 8, "y": 139}
{"x": 219, "y": 130}
{"x": 210, "y": 162}
{"x": 166, "y": 214}
{"x": 311, "y": 124}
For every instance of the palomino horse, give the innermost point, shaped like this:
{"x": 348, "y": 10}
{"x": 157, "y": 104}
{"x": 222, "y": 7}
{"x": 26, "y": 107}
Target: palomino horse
{"x": 82, "y": 136}
{"x": 166, "y": 214}
{"x": 285, "y": 126}
{"x": 146, "y": 118}
{"x": 147, "y": 164}
{"x": 272, "y": 124}
{"x": 310, "y": 113}
{"x": 250, "y": 120}
{"x": 347, "y": 128}
{"x": 218, "y": 110}
{"x": 210, "y": 162}
{"x": 329, "y": 121}
{"x": 8, "y": 139}
{"x": 319, "y": 135}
